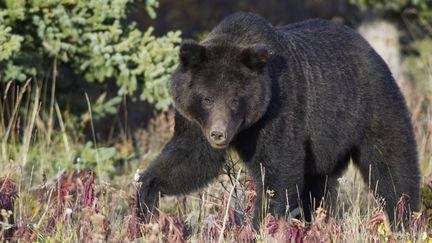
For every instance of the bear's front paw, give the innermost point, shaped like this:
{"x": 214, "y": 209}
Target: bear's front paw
{"x": 147, "y": 195}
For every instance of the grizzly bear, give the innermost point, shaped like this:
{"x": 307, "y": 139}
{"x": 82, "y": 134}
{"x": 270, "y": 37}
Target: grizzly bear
{"x": 298, "y": 102}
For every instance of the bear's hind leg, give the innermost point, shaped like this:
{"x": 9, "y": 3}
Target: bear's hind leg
{"x": 319, "y": 191}
{"x": 313, "y": 194}
{"x": 388, "y": 160}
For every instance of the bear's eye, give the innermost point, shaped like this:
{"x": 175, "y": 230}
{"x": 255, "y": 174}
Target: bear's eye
{"x": 207, "y": 102}
{"x": 234, "y": 104}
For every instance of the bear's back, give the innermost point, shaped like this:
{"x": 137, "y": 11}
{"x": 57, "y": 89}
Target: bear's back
{"x": 313, "y": 25}
{"x": 324, "y": 35}
{"x": 304, "y": 38}
{"x": 242, "y": 29}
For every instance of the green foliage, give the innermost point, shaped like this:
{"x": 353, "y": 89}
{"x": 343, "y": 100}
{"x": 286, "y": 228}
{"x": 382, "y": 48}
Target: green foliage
{"x": 102, "y": 106}
{"x": 395, "y": 5}
{"x": 9, "y": 43}
{"x": 421, "y": 10}
{"x": 420, "y": 67}
{"x": 91, "y": 157}
{"x": 90, "y": 37}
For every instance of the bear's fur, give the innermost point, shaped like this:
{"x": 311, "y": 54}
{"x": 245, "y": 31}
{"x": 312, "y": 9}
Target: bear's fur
{"x": 298, "y": 102}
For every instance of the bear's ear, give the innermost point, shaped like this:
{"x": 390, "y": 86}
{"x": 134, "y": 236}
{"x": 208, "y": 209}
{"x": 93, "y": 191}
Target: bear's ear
{"x": 191, "y": 53}
{"x": 255, "y": 57}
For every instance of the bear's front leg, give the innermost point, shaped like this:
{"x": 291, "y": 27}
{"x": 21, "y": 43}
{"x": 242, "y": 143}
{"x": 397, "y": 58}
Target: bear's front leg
{"x": 186, "y": 163}
{"x": 279, "y": 183}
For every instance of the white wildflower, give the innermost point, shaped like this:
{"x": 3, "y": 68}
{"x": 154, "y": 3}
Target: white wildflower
{"x": 344, "y": 183}
{"x": 137, "y": 175}
{"x": 68, "y": 211}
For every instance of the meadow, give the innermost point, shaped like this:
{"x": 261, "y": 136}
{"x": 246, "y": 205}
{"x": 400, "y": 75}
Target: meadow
{"x": 58, "y": 186}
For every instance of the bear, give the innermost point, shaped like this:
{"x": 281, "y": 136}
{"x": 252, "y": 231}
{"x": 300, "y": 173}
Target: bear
{"x": 297, "y": 103}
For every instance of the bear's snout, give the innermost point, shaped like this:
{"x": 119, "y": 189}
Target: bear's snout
{"x": 218, "y": 136}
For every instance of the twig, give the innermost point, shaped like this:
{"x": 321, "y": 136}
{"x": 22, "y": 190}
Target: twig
{"x": 13, "y": 117}
{"x": 29, "y": 127}
{"x": 227, "y": 208}
{"x": 63, "y": 130}
{"x": 52, "y": 101}
{"x": 93, "y": 134}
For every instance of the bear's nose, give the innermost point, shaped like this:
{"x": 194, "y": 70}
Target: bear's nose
{"x": 218, "y": 136}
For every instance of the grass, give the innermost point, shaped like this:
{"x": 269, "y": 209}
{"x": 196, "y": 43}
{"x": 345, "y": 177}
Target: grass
{"x": 56, "y": 187}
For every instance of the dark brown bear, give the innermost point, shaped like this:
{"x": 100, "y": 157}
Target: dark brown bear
{"x": 300, "y": 101}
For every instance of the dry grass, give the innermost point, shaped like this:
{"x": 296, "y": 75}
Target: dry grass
{"x": 47, "y": 195}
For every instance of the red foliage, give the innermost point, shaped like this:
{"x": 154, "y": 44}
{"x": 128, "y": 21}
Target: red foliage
{"x": 417, "y": 220}
{"x": 375, "y": 220}
{"x": 246, "y": 233}
{"x": 296, "y": 232}
{"x": 133, "y": 222}
{"x": 8, "y": 194}
{"x": 211, "y": 230}
{"x": 281, "y": 231}
{"x": 323, "y": 228}
{"x": 221, "y": 213}
{"x": 251, "y": 195}
{"x": 72, "y": 184}
{"x": 133, "y": 227}
{"x": 172, "y": 227}
{"x": 24, "y": 232}
{"x": 271, "y": 225}
{"x": 88, "y": 191}
{"x": 402, "y": 206}
{"x": 374, "y": 223}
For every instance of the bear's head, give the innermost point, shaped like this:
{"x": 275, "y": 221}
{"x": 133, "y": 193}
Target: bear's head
{"x": 223, "y": 88}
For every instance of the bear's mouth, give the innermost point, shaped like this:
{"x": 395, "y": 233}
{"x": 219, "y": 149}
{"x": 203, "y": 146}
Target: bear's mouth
{"x": 219, "y": 146}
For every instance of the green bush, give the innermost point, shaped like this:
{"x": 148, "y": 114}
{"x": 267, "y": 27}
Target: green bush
{"x": 90, "y": 37}
{"x": 395, "y": 5}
